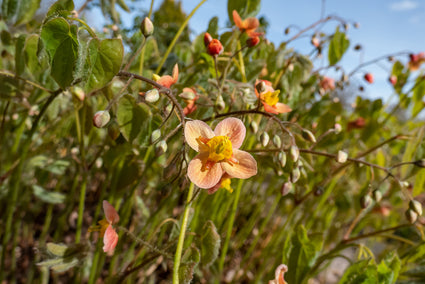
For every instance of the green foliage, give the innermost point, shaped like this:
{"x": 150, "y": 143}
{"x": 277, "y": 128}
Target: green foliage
{"x": 131, "y": 118}
{"x": 245, "y": 8}
{"x": 210, "y": 244}
{"x": 337, "y": 46}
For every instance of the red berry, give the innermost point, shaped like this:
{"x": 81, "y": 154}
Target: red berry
{"x": 369, "y": 78}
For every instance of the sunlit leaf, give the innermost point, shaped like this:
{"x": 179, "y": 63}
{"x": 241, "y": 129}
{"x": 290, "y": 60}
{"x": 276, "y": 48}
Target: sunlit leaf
{"x": 245, "y": 8}
{"x": 337, "y": 47}
{"x": 48, "y": 196}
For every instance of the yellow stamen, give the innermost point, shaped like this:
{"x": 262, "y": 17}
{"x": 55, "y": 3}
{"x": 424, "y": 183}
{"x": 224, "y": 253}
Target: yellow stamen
{"x": 218, "y": 148}
{"x": 226, "y": 185}
{"x": 271, "y": 98}
{"x": 156, "y": 77}
{"x": 103, "y": 225}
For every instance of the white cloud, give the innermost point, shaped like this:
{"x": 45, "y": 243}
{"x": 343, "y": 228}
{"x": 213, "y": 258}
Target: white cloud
{"x": 404, "y": 5}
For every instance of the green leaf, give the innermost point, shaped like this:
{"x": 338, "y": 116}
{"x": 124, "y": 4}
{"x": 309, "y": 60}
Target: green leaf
{"x": 190, "y": 259}
{"x": 60, "y": 41}
{"x": 58, "y": 167}
{"x": 210, "y": 243}
{"x": 57, "y": 249}
{"x": 27, "y": 9}
{"x": 124, "y": 6}
{"x": 131, "y": 117}
{"x": 19, "y": 55}
{"x": 61, "y": 8}
{"x": 213, "y": 27}
{"x": 30, "y": 53}
{"x": 418, "y": 94}
{"x": 361, "y": 272}
{"x": 337, "y": 47}
{"x": 303, "y": 255}
{"x": 245, "y": 8}
{"x": 66, "y": 265}
{"x": 389, "y": 269}
{"x": 103, "y": 61}
{"x": 48, "y": 196}
{"x": 9, "y": 8}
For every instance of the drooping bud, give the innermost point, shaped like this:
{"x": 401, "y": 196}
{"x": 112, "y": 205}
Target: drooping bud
{"x": 357, "y": 47}
{"x": 152, "y": 96}
{"x": 295, "y": 174}
{"x": 79, "y": 93}
{"x": 215, "y": 47}
{"x": 341, "y": 157}
{"x": 416, "y": 206}
{"x": 287, "y": 30}
{"x": 146, "y": 27}
{"x": 252, "y": 41}
{"x": 377, "y": 195}
{"x": 294, "y": 153}
{"x": 365, "y": 201}
{"x": 254, "y": 126}
{"x": 393, "y": 80}
{"x": 101, "y": 118}
{"x": 264, "y": 138}
{"x": 282, "y": 158}
{"x": 369, "y": 78}
{"x": 420, "y": 163}
{"x": 315, "y": 41}
{"x": 286, "y": 188}
{"x": 207, "y": 39}
{"x": 277, "y": 141}
{"x": 187, "y": 96}
{"x": 308, "y": 135}
{"x": 411, "y": 216}
{"x": 260, "y": 87}
{"x": 219, "y": 103}
{"x": 161, "y": 148}
{"x": 155, "y": 135}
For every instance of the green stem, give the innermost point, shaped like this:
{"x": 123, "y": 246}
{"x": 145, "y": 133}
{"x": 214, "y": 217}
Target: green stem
{"x": 81, "y": 209}
{"x": 241, "y": 63}
{"x": 177, "y": 257}
{"x": 176, "y": 37}
{"x": 230, "y": 226}
{"x": 87, "y": 27}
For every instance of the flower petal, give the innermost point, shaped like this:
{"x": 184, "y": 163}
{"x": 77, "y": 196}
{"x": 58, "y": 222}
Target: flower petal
{"x": 237, "y": 19}
{"x": 193, "y": 130}
{"x": 269, "y": 108}
{"x": 110, "y": 213}
{"x": 166, "y": 81}
{"x": 175, "y": 73}
{"x": 206, "y": 178}
{"x": 282, "y": 108}
{"x": 245, "y": 168}
{"x": 110, "y": 239}
{"x": 232, "y": 128}
{"x": 250, "y": 23}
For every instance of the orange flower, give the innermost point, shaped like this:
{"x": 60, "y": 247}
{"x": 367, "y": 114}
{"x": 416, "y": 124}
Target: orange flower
{"x": 279, "y": 273}
{"x": 215, "y": 47}
{"x": 105, "y": 227}
{"x": 249, "y": 25}
{"x": 167, "y": 80}
{"x": 270, "y": 98}
{"x": 219, "y": 152}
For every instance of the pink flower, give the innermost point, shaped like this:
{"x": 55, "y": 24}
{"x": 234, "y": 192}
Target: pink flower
{"x": 327, "y": 83}
{"x": 167, "y": 80}
{"x": 219, "y": 152}
{"x": 279, "y": 273}
{"x": 105, "y": 227}
{"x": 270, "y": 98}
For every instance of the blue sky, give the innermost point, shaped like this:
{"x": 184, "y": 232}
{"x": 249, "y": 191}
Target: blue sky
{"x": 386, "y": 26}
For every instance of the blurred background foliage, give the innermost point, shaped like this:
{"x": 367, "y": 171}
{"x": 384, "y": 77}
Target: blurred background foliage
{"x": 329, "y": 221}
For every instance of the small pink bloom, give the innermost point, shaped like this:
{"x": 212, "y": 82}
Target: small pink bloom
{"x": 279, "y": 273}
{"x": 270, "y": 98}
{"x": 218, "y": 152}
{"x": 393, "y": 80}
{"x": 166, "y": 80}
{"x": 110, "y": 238}
{"x": 369, "y": 77}
{"x": 327, "y": 83}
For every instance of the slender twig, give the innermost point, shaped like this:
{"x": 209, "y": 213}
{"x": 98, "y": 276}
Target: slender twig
{"x": 364, "y": 236}
{"x": 376, "y": 60}
{"x": 11, "y": 75}
{"x": 142, "y": 44}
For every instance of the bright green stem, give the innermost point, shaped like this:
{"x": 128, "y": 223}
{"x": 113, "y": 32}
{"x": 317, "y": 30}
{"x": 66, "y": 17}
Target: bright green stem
{"x": 176, "y": 37}
{"x": 95, "y": 262}
{"x": 230, "y": 226}
{"x": 241, "y": 63}
{"x": 81, "y": 209}
{"x": 178, "y": 255}
{"x": 87, "y": 27}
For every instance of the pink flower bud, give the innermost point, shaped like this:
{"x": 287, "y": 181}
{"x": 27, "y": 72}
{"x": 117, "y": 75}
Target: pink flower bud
{"x": 147, "y": 27}
{"x": 369, "y": 78}
{"x": 393, "y": 80}
{"x": 101, "y": 118}
{"x": 207, "y": 39}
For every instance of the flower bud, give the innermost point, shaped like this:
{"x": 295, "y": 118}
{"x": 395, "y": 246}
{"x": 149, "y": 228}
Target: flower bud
{"x": 341, "y": 157}
{"x": 338, "y": 128}
{"x": 287, "y": 30}
{"x": 377, "y": 195}
{"x": 286, "y": 188}
{"x": 146, "y": 27}
{"x": 365, "y": 201}
{"x": 356, "y": 25}
{"x": 411, "y": 216}
{"x": 264, "y": 138}
{"x": 252, "y": 41}
{"x": 207, "y": 39}
{"x": 416, "y": 206}
{"x": 308, "y": 135}
{"x": 357, "y": 47}
{"x": 79, "y": 93}
{"x": 393, "y": 80}
{"x": 294, "y": 153}
{"x": 152, "y": 96}
{"x": 420, "y": 163}
{"x": 155, "y": 135}
{"x": 369, "y": 78}
{"x": 215, "y": 47}
{"x": 282, "y": 158}
{"x": 161, "y": 148}
{"x": 219, "y": 103}
{"x": 254, "y": 126}
{"x": 315, "y": 41}
{"x": 187, "y": 96}
{"x": 295, "y": 174}
{"x": 276, "y": 141}
{"x": 260, "y": 87}
{"x": 101, "y": 118}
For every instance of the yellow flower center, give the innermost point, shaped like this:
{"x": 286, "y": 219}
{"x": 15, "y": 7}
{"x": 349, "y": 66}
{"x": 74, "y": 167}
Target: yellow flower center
{"x": 103, "y": 225}
{"x": 156, "y": 77}
{"x": 218, "y": 148}
{"x": 225, "y": 183}
{"x": 271, "y": 98}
